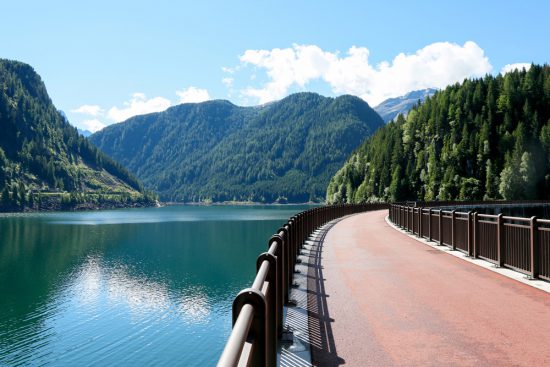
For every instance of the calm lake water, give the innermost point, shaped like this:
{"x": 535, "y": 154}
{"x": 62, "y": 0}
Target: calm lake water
{"x": 127, "y": 287}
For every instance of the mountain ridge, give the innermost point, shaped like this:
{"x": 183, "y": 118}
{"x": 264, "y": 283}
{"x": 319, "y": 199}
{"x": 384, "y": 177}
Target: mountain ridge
{"x": 392, "y": 107}
{"x": 217, "y": 151}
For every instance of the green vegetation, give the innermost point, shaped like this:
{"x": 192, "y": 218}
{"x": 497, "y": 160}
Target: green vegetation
{"x": 483, "y": 139}
{"x": 44, "y": 162}
{"x": 215, "y": 151}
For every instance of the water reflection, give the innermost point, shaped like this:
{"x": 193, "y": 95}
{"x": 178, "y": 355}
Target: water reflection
{"x": 138, "y": 292}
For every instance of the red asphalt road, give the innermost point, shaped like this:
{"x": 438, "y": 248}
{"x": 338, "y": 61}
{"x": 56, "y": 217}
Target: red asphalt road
{"x": 398, "y": 302}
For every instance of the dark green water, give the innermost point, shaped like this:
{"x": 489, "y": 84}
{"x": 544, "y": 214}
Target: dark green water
{"x": 126, "y": 287}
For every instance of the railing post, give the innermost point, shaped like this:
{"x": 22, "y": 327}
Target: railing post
{"x": 453, "y": 232}
{"x": 500, "y": 240}
{"x": 282, "y": 286}
{"x": 420, "y": 222}
{"x": 475, "y": 235}
{"x": 440, "y": 229}
{"x": 274, "y": 307}
{"x": 414, "y": 220}
{"x": 533, "y": 247}
{"x": 430, "y": 225}
{"x": 470, "y": 233}
{"x": 289, "y": 260}
{"x": 257, "y": 330}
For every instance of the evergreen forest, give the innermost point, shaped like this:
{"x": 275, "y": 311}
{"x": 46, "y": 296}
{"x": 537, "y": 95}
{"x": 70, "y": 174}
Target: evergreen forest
{"x": 482, "y": 139}
{"x": 44, "y": 162}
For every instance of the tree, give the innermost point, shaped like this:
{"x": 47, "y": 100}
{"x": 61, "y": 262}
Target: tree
{"x": 491, "y": 182}
{"x": 528, "y": 176}
{"x": 510, "y": 187}
{"x": 5, "y": 199}
{"x": 395, "y": 185}
{"x": 469, "y": 189}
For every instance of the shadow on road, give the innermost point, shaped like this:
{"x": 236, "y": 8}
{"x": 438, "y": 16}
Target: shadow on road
{"x": 323, "y": 348}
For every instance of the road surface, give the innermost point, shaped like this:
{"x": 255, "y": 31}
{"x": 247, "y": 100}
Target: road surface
{"x": 380, "y": 298}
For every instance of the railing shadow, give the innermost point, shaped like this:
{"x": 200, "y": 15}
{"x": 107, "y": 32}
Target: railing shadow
{"x": 323, "y": 348}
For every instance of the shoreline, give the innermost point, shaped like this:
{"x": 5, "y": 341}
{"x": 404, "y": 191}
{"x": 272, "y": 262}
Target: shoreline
{"x": 235, "y": 203}
{"x": 83, "y": 207}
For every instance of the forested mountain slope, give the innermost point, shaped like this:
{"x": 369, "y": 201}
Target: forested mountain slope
{"x": 483, "y": 139}
{"x": 216, "y": 151}
{"x": 43, "y": 159}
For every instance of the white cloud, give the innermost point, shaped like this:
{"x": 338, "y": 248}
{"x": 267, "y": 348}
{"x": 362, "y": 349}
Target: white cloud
{"x": 518, "y": 66}
{"x": 138, "y": 105}
{"x": 434, "y": 66}
{"x": 92, "y": 125}
{"x": 92, "y": 110}
{"x": 228, "y": 82}
{"x": 193, "y": 95}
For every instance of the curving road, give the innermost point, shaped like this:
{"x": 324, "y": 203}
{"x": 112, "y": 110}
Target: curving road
{"x": 388, "y": 300}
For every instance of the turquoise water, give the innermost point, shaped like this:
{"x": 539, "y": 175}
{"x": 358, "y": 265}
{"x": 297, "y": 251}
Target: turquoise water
{"x": 127, "y": 287}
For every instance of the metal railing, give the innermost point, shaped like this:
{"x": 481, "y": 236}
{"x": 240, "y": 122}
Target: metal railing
{"x": 258, "y": 310}
{"x": 521, "y": 244}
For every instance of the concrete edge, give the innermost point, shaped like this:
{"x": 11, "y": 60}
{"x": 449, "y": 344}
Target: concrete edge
{"x": 296, "y": 318}
{"x": 509, "y": 273}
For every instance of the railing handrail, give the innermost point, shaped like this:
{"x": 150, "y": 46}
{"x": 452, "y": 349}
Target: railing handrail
{"x": 257, "y": 311}
{"x": 232, "y": 353}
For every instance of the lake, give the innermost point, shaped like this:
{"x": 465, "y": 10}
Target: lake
{"x": 127, "y": 287}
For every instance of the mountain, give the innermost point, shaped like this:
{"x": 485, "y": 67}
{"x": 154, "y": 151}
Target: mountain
{"x": 44, "y": 162}
{"x": 390, "y": 108}
{"x": 483, "y": 139}
{"x": 216, "y": 151}
{"x": 84, "y": 133}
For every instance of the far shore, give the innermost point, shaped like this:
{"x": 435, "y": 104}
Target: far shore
{"x": 227, "y": 203}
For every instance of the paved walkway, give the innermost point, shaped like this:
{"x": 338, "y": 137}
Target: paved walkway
{"x": 380, "y": 298}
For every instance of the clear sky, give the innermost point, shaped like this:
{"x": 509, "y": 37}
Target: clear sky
{"x": 104, "y": 61}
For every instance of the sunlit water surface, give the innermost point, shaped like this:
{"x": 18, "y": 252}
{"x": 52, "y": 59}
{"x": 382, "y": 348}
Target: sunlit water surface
{"x": 126, "y": 287}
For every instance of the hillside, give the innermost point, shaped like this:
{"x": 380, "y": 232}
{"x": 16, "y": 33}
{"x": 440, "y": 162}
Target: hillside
{"x": 216, "y": 151}
{"x": 391, "y": 107}
{"x": 483, "y": 139}
{"x": 44, "y": 162}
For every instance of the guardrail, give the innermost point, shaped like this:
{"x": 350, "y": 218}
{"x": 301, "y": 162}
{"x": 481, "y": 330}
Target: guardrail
{"x": 258, "y": 310}
{"x": 521, "y": 244}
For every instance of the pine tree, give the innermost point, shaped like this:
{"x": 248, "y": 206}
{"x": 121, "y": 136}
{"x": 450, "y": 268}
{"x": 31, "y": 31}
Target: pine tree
{"x": 395, "y": 186}
{"x": 528, "y": 176}
{"x": 491, "y": 182}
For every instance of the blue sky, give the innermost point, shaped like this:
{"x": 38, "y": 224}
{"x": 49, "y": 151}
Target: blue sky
{"x": 104, "y": 61}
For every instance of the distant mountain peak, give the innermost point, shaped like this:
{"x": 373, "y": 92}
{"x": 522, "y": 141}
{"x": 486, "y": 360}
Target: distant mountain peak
{"x": 84, "y": 133}
{"x": 392, "y": 107}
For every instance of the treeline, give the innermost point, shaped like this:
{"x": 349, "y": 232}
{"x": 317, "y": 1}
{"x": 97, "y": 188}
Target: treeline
{"x": 41, "y": 151}
{"x": 484, "y": 139}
